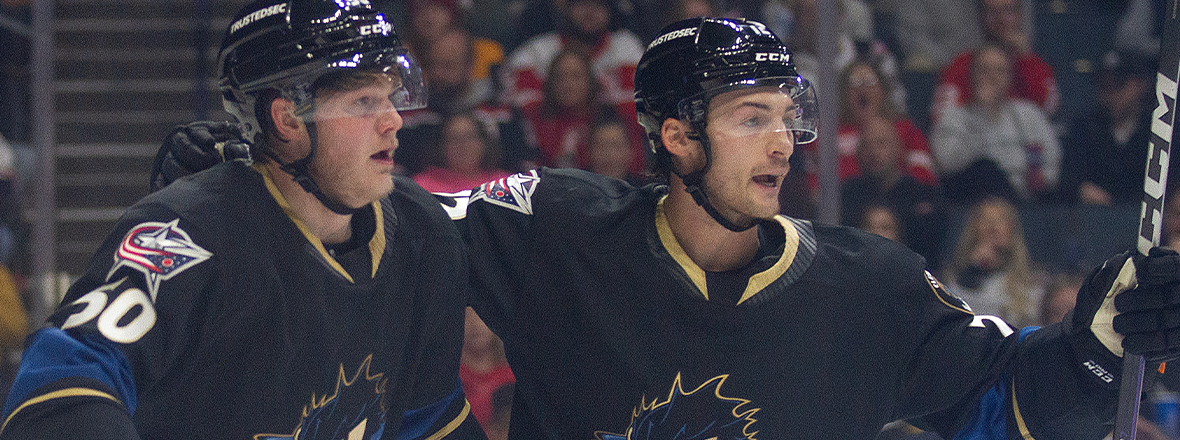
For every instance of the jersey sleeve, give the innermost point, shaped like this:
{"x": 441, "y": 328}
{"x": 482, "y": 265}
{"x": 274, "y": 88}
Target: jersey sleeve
{"x": 1002, "y": 383}
{"x": 494, "y": 220}
{"x": 85, "y": 365}
{"x": 437, "y": 407}
{"x": 447, "y": 418}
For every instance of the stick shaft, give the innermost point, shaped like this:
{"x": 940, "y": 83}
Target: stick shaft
{"x": 1151, "y": 216}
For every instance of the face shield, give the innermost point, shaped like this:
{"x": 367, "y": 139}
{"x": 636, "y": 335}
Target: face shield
{"x": 757, "y": 107}
{"x": 379, "y": 82}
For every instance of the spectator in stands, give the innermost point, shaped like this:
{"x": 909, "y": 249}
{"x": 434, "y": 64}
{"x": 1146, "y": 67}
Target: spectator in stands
{"x": 991, "y": 268}
{"x": 682, "y": 9}
{"x": 1072, "y": 37}
{"x": 653, "y": 15}
{"x": 11, "y": 225}
{"x": 1170, "y": 230}
{"x": 1139, "y": 28}
{"x": 1003, "y": 25}
{"x": 883, "y": 181}
{"x": 1105, "y": 149}
{"x": 470, "y": 157}
{"x": 796, "y": 25}
{"x": 610, "y": 150}
{"x": 586, "y": 28}
{"x": 932, "y": 32}
{"x": 996, "y": 144}
{"x": 431, "y": 20}
{"x": 451, "y": 73}
{"x": 929, "y": 35}
{"x": 1060, "y": 295}
{"x": 483, "y": 369}
{"x": 865, "y": 95}
{"x": 447, "y": 66}
{"x": 497, "y": 426}
{"x": 559, "y": 125}
{"x": 877, "y": 218}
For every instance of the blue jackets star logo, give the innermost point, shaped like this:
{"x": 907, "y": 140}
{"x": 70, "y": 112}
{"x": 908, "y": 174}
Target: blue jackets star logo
{"x": 158, "y": 250}
{"x": 514, "y": 192}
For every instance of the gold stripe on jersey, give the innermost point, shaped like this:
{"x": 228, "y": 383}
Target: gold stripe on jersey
{"x": 376, "y": 244}
{"x": 756, "y": 283}
{"x": 62, "y": 393}
{"x": 1020, "y": 425}
{"x": 453, "y": 423}
{"x": 762, "y": 279}
{"x": 695, "y": 273}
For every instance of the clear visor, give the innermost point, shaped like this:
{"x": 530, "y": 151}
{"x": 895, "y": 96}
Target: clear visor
{"x": 757, "y": 107}
{"x": 363, "y": 85}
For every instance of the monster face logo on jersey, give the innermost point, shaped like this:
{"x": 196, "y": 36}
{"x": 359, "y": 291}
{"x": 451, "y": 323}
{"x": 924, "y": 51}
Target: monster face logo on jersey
{"x": 160, "y": 251}
{"x": 700, "y": 414}
{"x": 354, "y": 411}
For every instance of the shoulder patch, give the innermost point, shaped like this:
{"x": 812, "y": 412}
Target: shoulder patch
{"x": 946, "y": 297}
{"x": 158, "y": 250}
{"x": 514, "y": 192}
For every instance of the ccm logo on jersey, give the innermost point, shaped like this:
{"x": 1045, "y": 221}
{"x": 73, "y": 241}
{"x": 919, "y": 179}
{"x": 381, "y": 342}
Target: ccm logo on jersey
{"x": 158, "y": 250}
{"x": 767, "y": 56}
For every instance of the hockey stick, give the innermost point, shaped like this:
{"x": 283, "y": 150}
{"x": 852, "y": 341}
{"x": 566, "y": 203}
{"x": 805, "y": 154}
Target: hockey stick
{"x": 1151, "y": 217}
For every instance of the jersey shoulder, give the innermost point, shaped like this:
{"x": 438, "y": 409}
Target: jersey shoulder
{"x": 583, "y": 193}
{"x": 409, "y": 206}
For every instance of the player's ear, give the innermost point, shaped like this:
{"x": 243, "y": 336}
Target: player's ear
{"x": 675, "y": 136}
{"x": 282, "y": 112}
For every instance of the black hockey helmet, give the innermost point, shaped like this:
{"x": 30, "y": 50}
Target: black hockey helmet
{"x": 693, "y": 60}
{"x": 281, "y": 48}
{"x": 286, "y": 45}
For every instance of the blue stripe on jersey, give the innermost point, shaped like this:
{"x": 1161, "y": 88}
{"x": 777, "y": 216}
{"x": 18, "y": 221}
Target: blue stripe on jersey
{"x": 991, "y": 421}
{"x": 416, "y": 422}
{"x": 56, "y": 355}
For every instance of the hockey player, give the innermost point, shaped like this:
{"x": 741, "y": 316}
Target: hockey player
{"x": 310, "y": 296}
{"x": 693, "y": 310}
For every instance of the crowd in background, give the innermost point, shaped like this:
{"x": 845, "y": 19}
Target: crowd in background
{"x": 958, "y": 122}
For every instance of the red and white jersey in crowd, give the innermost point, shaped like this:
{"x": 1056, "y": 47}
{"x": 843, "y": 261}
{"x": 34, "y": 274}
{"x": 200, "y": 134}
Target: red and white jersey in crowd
{"x": 613, "y": 61}
{"x": 1032, "y": 80}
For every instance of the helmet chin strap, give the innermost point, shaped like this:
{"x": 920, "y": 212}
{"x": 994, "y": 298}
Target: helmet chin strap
{"x": 694, "y": 183}
{"x": 298, "y": 170}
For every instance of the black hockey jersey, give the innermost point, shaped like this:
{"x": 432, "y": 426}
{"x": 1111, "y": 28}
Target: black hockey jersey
{"x": 612, "y": 335}
{"x": 209, "y": 313}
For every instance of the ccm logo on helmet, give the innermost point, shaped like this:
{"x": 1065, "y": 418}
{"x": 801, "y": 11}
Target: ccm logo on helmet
{"x": 376, "y": 28}
{"x": 257, "y": 15}
{"x": 765, "y": 56}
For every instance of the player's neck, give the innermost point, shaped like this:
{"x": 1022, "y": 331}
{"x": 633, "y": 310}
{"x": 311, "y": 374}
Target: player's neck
{"x": 710, "y": 245}
{"x": 328, "y": 226}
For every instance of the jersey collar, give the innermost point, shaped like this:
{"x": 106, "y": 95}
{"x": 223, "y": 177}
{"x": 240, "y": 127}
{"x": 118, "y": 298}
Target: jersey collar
{"x": 798, "y": 250}
{"x": 376, "y": 244}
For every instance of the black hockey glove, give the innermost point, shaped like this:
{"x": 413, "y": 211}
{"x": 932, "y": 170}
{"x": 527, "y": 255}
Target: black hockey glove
{"x": 194, "y": 147}
{"x": 1132, "y": 304}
